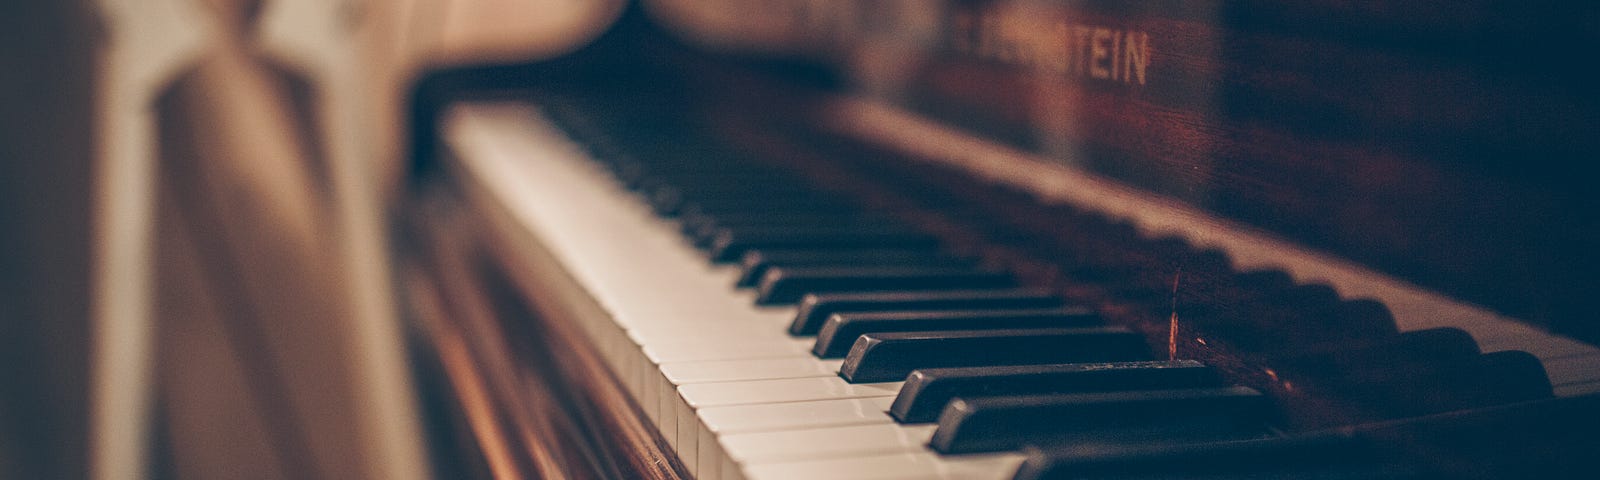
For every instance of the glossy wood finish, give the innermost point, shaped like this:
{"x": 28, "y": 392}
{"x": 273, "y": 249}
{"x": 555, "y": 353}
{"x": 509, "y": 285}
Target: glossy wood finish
{"x": 528, "y": 397}
{"x": 1440, "y": 142}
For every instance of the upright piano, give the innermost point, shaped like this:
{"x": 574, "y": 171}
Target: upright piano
{"x": 1017, "y": 239}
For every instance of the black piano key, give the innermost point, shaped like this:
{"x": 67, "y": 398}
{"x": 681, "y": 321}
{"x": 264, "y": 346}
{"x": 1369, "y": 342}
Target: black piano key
{"x": 1414, "y": 389}
{"x": 816, "y": 308}
{"x": 1279, "y": 328}
{"x": 634, "y": 172}
{"x": 1264, "y": 280}
{"x": 991, "y": 424}
{"x": 797, "y": 202}
{"x": 1434, "y": 345}
{"x": 730, "y": 246}
{"x": 661, "y": 184}
{"x": 699, "y": 224}
{"x": 756, "y": 262}
{"x": 839, "y": 333}
{"x": 738, "y": 237}
{"x": 753, "y": 206}
{"x": 702, "y": 230}
{"x": 787, "y": 285}
{"x": 668, "y": 201}
{"x": 1322, "y": 455}
{"x": 647, "y": 182}
{"x": 1552, "y": 438}
{"x": 1366, "y": 311}
{"x": 928, "y": 390}
{"x": 648, "y": 186}
{"x": 885, "y": 357}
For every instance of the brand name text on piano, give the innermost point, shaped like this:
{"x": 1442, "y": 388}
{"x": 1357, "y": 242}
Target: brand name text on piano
{"x": 1064, "y": 48}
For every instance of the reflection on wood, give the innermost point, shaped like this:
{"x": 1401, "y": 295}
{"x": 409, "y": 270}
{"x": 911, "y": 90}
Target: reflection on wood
{"x": 538, "y": 403}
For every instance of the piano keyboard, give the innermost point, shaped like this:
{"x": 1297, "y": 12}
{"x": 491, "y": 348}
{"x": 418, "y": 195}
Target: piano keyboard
{"x": 738, "y": 394}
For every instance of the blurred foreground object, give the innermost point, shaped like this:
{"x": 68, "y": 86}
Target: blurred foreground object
{"x": 195, "y": 270}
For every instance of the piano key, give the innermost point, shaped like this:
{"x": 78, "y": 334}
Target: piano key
{"x": 741, "y": 330}
{"x": 707, "y": 233}
{"x": 669, "y": 196}
{"x": 839, "y": 333}
{"x": 1552, "y": 438}
{"x": 699, "y": 227}
{"x": 990, "y": 424}
{"x": 1573, "y": 369}
{"x": 882, "y": 357}
{"x": 787, "y": 285}
{"x": 650, "y": 185}
{"x": 683, "y": 190}
{"x": 1421, "y": 346}
{"x": 729, "y": 246}
{"x": 1532, "y": 341}
{"x": 927, "y": 391}
{"x": 756, "y": 262}
{"x": 1332, "y": 455}
{"x": 1428, "y": 388}
{"x": 658, "y": 383}
{"x": 768, "y": 417}
{"x": 825, "y": 442}
{"x": 695, "y": 209}
{"x": 680, "y": 373}
{"x": 781, "y": 390}
{"x": 816, "y": 308}
{"x": 902, "y": 466}
{"x": 649, "y": 277}
{"x": 1577, "y": 389}
{"x": 715, "y": 205}
{"x": 696, "y": 440}
{"x": 715, "y": 177}
{"x": 702, "y": 351}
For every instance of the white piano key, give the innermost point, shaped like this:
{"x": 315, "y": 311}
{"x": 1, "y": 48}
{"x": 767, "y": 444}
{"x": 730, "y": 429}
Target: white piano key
{"x": 682, "y": 373}
{"x": 698, "y": 352}
{"x": 659, "y": 378}
{"x": 720, "y": 341}
{"x": 891, "y": 467}
{"x": 651, "y": 390}
{"x": 687, "y": 437}
{"x": 730, "y": 307}
{"x": 710, "y": 456}
{"x": 701, "y": 395}
{"x": 718, "y": 330}
{"x": 667, "y": 401}
{"x": 698, "y": 442}
{"x": 797, "y": 415}
{"x": 677, "y": 335}
{"x": 828, "y": 442}
{"x": 731, "y": 471}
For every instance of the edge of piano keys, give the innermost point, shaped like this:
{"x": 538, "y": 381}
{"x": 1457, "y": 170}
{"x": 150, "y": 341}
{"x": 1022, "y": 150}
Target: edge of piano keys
{"x": 680, "y": 422}
{"x": 1414, "y": 308}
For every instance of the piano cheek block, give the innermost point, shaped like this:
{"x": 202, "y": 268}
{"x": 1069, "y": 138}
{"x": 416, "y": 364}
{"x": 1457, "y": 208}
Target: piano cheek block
{"x": 885, "y": 357}
{"x": 1152, "y": 417}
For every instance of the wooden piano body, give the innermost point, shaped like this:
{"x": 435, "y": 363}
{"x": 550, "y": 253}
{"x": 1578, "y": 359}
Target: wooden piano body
{"x": 1383, "y": 169}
